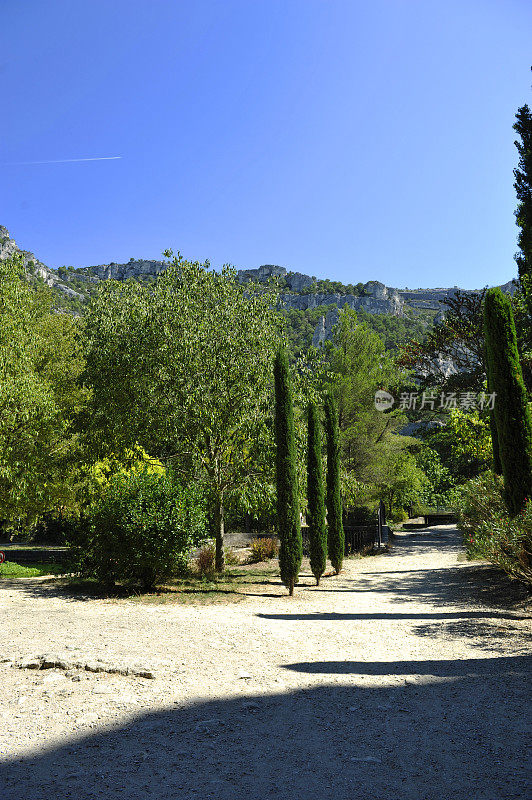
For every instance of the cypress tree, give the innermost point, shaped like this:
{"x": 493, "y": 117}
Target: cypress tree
{"x": 291, "y": 549}
{"x": 316, "y": 496}
{"x": 335, "y": 528}
{"x": 511, "y": 412}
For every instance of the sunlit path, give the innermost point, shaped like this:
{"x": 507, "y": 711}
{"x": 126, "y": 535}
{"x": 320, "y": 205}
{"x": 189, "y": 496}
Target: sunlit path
{"x": 395, "y": 680}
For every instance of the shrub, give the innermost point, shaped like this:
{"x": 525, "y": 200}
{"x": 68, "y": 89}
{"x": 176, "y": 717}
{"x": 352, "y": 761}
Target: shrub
{"x": 206, "y": 561}
{"x": 360, "y": 515}
{"x": 263, "y": 549}
{"x": 398, "y": 515}
{"x": 139, "y": 531}
{"x": 490, "y": 533}
{"x": 231, "y": 557}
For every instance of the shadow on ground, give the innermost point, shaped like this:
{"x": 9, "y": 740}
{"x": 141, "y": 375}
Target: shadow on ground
{"x": 458, "y": 738}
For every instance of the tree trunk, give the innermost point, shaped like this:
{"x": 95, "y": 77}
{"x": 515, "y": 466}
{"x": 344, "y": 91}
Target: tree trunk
{"x": 219, "y": 534}
{"x": 291, "y": 587}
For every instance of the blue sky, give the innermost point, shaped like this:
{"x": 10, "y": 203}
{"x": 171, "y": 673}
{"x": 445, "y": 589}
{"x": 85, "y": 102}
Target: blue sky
{"x": 345, "y": 139}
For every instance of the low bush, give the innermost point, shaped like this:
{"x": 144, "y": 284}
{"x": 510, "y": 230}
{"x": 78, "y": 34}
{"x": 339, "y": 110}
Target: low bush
{"x": 398, "y": 515}
{"x": 206, "y": 561}
{"x": 263, "y": 549}
{"x": 360, "y": 515}
{"x": 231, "y": 557}
{"x": 139, "y": 531}
{"x": 490, "y": 533}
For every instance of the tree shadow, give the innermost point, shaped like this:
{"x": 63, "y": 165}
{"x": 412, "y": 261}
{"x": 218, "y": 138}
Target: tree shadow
{"x": 512, "y": 666}
{"x": 325, "y": 616}
{"x": 461, "y": 738}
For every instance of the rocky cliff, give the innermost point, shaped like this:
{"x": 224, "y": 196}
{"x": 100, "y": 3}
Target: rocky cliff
{"x": 8, "y": 248}
{"x": 298, "y": 291}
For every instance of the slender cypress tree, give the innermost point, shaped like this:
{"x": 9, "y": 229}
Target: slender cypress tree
{"x": 335, "y": 527}
{"x": 316, "y": 496}
{"x": 511, "y": 412}
{"x": 291, "y": 549}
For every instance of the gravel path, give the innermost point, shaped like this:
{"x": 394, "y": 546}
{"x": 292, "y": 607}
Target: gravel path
{"x": 404, "y": 677}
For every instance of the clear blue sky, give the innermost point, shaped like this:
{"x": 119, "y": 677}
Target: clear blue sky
{"x": 345, "y": 139}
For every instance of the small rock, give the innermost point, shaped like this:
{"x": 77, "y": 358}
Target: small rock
{"x": 141, "y": 672}
{"x": 250, "y": 707}
{"x": 208, "y": 725}
{"x": 244, "y": 675}
{"x": 87, "y": 719}
{"x": 373, "y": 759}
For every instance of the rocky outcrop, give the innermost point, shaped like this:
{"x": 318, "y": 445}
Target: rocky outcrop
{"x": 8, "y": 248}
{"x": 324, "y": 329}
{"x": 295, "y": 281}
{"x": 384, "y": 301}
{"x": 135, "y": 268}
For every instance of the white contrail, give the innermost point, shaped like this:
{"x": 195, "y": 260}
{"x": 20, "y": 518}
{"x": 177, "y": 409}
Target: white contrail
{"x": 61, "y": 161}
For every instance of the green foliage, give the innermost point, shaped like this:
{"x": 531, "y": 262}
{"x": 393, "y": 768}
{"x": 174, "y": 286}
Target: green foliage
{"x": 463, "y": 444}
{"x": 183, "y": 367}
{"x": 512, "y": 413}
{"x": 263, "y": 549}
{"x": 10, "y": 569}
{"x": 459, "y": 338}
{"x": 140, "y": 531}
{"x": 288, "y": 520}
{"x": 404, "y": 484}
{"x": 40, "y": 397}
{"x": 357, "y": 366}
{"x": 489, "y": 531}
{"x": 335, "y": 528}
{"x": 231, "y": 557}
{"x": 523, "y": 213}
{"x": 393, "y": 331}
{"x": 316, "y": 496}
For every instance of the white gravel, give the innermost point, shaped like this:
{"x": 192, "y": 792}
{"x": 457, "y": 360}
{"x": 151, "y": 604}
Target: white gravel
{"x": 404, "y": 677}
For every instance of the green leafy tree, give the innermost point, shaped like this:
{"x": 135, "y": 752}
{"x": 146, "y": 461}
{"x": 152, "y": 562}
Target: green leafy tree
{"x": 512, "y": 413}
{"x": 40, "y": 396}
{"x": 357, "y": 367}
{"x": 463, "y": 444}
{"x": 316, "y": 496}
{"x": 288, "y": 520}
{"x": 182, "y": 367}
{"x": 335, "y": 527}
{"x": 404, "y": 483}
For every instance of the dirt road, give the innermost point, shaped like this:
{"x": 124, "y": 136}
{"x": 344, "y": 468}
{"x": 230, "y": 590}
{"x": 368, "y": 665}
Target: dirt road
{"x": 404, "y": 677}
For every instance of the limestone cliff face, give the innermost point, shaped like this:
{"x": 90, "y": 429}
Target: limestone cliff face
{"x": 139, "y": 268}
{"x": 8, "y": 248}
{"x": 298, "y": 294}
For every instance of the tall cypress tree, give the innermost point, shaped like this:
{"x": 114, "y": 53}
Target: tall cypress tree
{"x": 335, "y": 527}
{"x": 316, "y": 496}
{"x": 291, "y": 549}
{"x": 523, "y": 212}
{"x": 511, "y": 412}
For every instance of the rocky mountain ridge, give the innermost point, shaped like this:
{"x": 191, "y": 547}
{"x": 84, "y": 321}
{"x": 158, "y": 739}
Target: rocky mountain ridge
{"x": 298, "y": 291}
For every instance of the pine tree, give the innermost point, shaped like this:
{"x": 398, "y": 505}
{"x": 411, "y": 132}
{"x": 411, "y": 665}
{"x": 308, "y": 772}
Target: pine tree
{"x": 291, "y": 550}
{"x": 335, "y": 528}
{"x": 316, "y": 496}
{"x": 512, "y": 414}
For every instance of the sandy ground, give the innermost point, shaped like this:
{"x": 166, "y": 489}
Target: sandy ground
{"x": 404, "y": 677}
